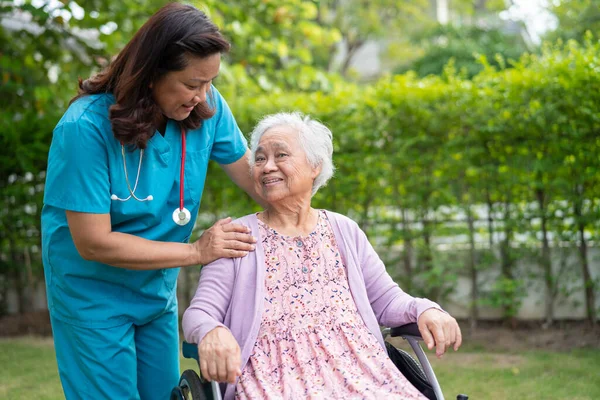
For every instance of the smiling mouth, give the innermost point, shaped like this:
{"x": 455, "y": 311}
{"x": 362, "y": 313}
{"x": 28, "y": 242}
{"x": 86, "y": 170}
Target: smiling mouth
{"x": 271, "y": 181}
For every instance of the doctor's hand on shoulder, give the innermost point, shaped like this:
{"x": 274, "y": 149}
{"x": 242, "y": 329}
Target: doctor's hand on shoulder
{"x": 224, "y": 240}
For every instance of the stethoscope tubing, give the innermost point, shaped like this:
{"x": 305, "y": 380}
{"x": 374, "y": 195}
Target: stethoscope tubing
{"x": 181, "y": 215}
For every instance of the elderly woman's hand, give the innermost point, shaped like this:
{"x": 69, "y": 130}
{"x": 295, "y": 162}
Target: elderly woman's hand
{"x": 219, "y": 355}
{"x": 440, "y": 330}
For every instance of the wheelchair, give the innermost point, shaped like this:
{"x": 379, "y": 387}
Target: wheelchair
{"x": 420, "y": 374}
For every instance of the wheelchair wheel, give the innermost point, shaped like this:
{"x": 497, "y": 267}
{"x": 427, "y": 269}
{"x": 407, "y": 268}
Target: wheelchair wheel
{"x": 190, "y": 388}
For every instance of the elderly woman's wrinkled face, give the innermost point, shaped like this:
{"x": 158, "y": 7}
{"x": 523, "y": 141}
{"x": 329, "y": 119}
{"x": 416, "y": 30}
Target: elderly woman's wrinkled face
{"x": 281, "y": 170}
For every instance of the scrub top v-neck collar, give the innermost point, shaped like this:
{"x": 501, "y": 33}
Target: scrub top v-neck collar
{"x": 164, "y": 144}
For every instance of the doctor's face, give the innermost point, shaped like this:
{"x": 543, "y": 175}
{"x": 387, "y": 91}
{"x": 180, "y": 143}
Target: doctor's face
{"x": 178, "y": 92}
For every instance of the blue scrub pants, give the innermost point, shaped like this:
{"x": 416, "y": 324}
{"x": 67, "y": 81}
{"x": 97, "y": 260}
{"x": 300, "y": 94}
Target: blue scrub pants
{"x": 130, "y": 361}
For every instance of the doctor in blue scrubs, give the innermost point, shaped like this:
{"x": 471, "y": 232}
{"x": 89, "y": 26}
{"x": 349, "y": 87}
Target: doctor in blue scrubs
{"x": 125, "y": 176}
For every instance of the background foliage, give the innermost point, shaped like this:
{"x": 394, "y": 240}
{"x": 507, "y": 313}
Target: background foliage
{"x": 474, "y": 145}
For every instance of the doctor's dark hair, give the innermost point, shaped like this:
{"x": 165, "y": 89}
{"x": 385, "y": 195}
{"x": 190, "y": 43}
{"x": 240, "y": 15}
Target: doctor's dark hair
{"x": 162, "y": 44}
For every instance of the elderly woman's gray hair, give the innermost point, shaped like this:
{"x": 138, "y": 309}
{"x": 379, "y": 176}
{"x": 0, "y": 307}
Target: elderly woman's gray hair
{"x": 315, "y": 139}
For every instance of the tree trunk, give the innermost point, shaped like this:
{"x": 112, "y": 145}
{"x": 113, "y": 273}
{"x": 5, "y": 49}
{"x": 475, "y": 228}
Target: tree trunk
{"x": 352, "y": 49}
{"x": 506, "y": 259}
{"x": 490, "y": 219}
{"x": 427, "y": 258}
{"x": 30, "y": 281}
{"x": 474, "y": 312}
{"x": 333, "y": 195}
{"x": 546, "y": 261}
{"x": 408, "y": 251}
{"x": 588, "y": 283}
{"x": 4, "y": 285}
{"x": 17, "y": 276}
{"x": 364, "y": 218}
{"x": 186, "y": 287}
{"x": 505, "y": 256}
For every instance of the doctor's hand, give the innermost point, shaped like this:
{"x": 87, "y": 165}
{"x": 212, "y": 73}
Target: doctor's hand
{"x": 219, "y": 355}
{"x": 440, "y": 330}
{"x": 224, "y": 240}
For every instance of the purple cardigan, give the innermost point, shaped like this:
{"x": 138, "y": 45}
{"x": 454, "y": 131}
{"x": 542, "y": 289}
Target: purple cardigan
{"x": 230, "y": 291}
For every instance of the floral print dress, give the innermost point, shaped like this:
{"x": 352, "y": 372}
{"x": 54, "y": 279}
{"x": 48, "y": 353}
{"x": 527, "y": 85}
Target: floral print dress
{"x": 312, "y": 341}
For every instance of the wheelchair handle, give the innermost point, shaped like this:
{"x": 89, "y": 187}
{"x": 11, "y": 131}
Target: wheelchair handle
{"x": 406, "y": 330}
{"x": 190, "y": 350}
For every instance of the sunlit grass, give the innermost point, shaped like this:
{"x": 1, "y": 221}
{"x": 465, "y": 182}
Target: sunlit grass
{"x": 531, "y": 375}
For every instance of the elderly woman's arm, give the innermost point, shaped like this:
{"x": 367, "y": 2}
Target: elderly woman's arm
{"x": 394, "y": 307}
{"x": 202, "y": 323}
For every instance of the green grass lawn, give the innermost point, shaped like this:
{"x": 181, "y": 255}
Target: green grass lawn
{"x": 29, "y": 371}
{"x": 539, "y": 375}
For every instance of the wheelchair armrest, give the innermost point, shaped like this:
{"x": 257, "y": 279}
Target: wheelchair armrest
{"x": 190, "y": 350}
{"x": 406, "y": 330}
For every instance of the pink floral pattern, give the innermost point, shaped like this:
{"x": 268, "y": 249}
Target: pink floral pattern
{"x": 312, "y": 341}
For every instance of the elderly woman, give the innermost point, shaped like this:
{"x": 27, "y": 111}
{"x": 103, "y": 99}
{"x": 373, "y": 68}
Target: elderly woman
{"x": 299, "y": 317}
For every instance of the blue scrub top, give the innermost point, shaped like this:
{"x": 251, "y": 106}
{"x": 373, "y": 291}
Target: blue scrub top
{"x": 85, "y": 167}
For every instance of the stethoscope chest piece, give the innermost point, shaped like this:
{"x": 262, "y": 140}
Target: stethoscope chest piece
{"x": 181, "y": 216}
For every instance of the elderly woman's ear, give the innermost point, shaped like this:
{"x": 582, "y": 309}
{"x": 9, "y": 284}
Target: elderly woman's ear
{"x": 316, "y": 171}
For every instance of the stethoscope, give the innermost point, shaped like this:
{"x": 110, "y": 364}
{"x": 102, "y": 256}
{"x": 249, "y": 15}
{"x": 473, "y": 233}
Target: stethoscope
{"x": 181, "y": 215}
